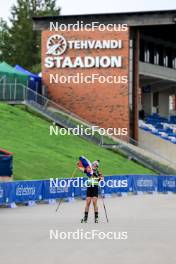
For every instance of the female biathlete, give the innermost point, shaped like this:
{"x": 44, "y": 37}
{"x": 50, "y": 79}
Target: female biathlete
{"x": 92, "y": 191}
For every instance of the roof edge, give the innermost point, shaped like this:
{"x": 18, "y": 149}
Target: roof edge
{"x": 107, "y": 14}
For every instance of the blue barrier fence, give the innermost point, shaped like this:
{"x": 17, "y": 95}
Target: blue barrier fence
{"x": 26, "y": 191}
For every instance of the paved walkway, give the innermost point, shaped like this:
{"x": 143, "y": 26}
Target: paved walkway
{"x": 149, "y": 220}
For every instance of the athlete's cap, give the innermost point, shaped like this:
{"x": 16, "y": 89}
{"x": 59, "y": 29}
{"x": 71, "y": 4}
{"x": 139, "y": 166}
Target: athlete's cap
{"x": 95, "y": 163}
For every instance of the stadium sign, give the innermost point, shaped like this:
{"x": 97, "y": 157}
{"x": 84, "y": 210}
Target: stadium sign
{"x": 57, "y": 45}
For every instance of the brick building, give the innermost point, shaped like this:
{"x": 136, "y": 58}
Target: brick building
{"x": 140, "y": 49}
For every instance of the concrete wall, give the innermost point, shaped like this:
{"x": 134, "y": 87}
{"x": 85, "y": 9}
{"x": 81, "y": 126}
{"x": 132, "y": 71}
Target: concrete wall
{"x": 164, "y": 104}
{"x": 163, "y": 107}
{"x": 147, "y": 102}
{"x": 155, "y": 144}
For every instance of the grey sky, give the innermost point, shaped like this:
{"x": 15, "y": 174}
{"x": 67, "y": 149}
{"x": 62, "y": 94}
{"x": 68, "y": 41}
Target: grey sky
{"x": 99, "y": 6}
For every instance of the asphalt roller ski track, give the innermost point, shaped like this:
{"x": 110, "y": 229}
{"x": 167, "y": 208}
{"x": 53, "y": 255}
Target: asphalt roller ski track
{"x": 150, "y": 221}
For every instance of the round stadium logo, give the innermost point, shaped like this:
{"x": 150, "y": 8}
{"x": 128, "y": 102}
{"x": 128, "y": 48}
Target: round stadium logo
{"x": 56, "y": 45}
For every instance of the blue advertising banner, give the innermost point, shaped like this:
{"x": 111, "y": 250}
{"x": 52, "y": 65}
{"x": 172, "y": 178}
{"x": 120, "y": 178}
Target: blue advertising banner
{"x": 116, "y": 184}
{"x": 10, "y": 192}
{"x": 7, "y": 192}
{"x": 144, "y": 183}
{"x": 2, "y": 193}
{"x": 57, "y": 189}
{"x": 166, "y": 184}
{"x": 28, "y": 191}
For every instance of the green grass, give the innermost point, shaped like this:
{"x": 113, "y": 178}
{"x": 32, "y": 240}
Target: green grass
{"x": 37, "y": 155}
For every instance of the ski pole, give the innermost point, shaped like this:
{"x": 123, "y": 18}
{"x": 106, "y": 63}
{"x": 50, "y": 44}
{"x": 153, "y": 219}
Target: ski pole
{"x": 63, "y": 198}
{"x": 60, "y": 201}
{"x": 105, "y": 209}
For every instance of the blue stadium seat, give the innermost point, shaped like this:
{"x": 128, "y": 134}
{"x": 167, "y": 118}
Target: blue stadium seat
{"x": 160, "y": 126}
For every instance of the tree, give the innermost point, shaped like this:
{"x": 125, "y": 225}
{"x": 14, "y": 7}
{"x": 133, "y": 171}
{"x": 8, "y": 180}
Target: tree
{"x": 4, "y": 39}
{"x": 23, "y": 43}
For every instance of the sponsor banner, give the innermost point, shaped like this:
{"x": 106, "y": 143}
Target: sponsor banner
{"x": 166, "y": 184}
{"x": 2, "y": 193}
{"x": 116, "y": 184}
{"x": 144, "y": 183}
{"x": 7, "y": 191}
{"x": 25, "y": 191}
{"x": 59, "y": 190}
{"x": 10, "y": 192}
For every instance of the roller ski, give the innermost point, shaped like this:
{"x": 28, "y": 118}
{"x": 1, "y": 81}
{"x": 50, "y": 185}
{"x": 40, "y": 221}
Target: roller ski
{"x": 84, "y": 219}
{"x": 96, "y": 221}
{"x": 96, "y": 218}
